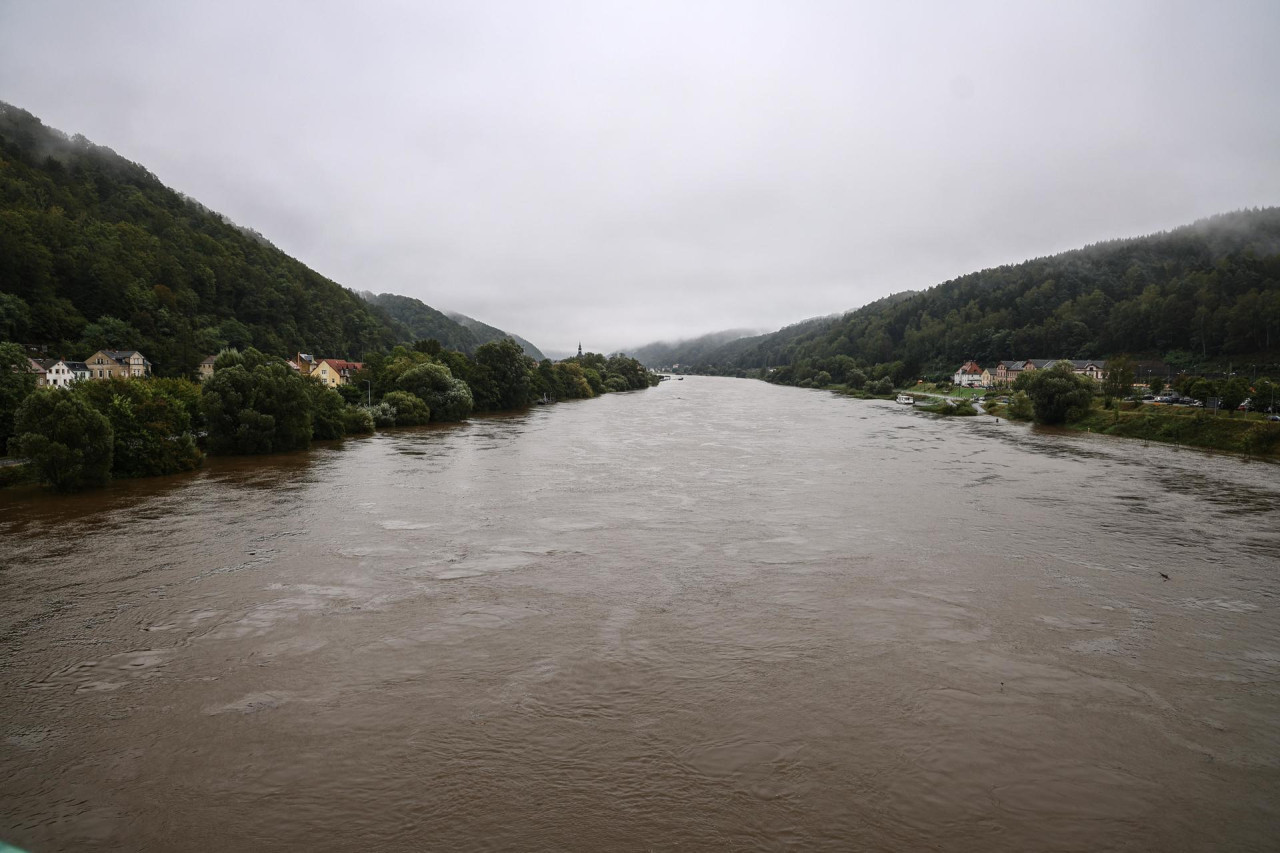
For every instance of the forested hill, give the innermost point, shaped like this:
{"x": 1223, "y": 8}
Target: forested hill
{"x": 95, "y": 252}
{"x": 1203, "y": 292}
{"x": 487, "y": 334}
{"x": 415, "y": 320}
{"x": 689, "y": 351}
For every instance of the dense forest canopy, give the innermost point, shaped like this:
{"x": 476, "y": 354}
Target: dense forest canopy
{"x": 1205, "y": 292}
{"x": 95, "y": 252}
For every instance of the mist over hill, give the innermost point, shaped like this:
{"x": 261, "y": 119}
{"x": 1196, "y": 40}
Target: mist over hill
{"x": 687, "y": 351}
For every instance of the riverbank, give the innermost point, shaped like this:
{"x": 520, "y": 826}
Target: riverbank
{"x": 1181, "y": 426}
{"x": 1191, "y": 427}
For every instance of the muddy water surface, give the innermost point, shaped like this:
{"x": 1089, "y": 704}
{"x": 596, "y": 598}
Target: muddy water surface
{"x": 715, "y": 615}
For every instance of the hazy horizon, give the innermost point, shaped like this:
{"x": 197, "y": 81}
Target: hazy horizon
{"x": 622, "y": 174}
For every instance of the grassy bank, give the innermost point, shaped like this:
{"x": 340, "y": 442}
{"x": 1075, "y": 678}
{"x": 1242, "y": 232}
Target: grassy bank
{"x": 1192, "y": 427}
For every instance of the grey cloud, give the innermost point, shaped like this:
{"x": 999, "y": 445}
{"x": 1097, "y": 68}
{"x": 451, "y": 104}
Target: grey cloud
{"x": 622, "y": 172}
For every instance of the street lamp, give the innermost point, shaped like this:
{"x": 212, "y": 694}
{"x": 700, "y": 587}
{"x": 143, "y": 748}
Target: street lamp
{"x": 369, "y": 387}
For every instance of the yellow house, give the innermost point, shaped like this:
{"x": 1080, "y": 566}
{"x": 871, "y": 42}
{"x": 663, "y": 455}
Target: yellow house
{"x": 106, "y": 363}
{"x": 334, "y": 371}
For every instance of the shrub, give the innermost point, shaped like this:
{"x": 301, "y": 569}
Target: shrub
{"x": 1020, "y": 407}
{"x": 447, "y": 398}
{"x": 410, "y": 410}
{"x": 382, "y": 414}
{"x": 356, "y": 420}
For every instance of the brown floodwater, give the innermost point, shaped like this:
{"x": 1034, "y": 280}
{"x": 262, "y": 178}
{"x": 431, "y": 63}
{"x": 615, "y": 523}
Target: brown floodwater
{"x": 714, "y": 615}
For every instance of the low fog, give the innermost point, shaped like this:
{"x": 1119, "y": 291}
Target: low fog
{"x": 619, "y": 173}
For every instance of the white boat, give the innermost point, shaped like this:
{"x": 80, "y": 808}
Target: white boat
{"x": 906, "y": 399}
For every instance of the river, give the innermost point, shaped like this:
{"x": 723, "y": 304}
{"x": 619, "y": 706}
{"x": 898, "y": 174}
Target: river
{"x": 713, "y": 615}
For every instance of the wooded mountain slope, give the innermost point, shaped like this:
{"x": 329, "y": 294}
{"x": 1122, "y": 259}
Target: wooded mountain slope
{"x": 1206, "y": 291}
{"x": 486, "y": 334}
{"x": 95, "y": 252}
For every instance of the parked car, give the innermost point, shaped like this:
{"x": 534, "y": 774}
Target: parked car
{"x": 1274, "y": 418}
{"x": 1147, "y": 398}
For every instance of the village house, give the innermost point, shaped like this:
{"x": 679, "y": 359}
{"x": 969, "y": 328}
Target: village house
{"x": 1006, "y": 372}
{"x": 334, "y": 371}
{"x": 205, "y": 370}
{"x": 106, "y": 363}
{"x": 969, "y": 375}
{"x": 38, "y": 369}
{"x": 60, "y": 373}
{"x": 305, "y": 363}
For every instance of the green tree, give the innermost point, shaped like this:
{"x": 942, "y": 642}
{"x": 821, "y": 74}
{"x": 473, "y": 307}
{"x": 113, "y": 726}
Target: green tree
{"x": 109, "y": 333}
{"x": 150, "y": 424}
{"x": 1058, "y": 395}
{"x": 15, "y": 317}
{"x": 1020, "y": 408}
{"x": 68, "y": 441}
{"x": 506, "y": 370}
{"x": 1234, "y": 392}
{"x": 382, "y": 414}
{"x": 1266, "y": 394}
{"x": 1156, "y": 384}
{"x": 257, "y": 406}
{"x": 356, "y": 420}
{"x": 410, "y": 410}
{"x": 16, "y": 384}
{"x": 448, "y": 399}
{"x": 1117, "y": 382}
{"x": 327, "y": 411}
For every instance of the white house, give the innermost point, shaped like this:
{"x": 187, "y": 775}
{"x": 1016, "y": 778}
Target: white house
{"x": 969, "y": 375}
{"x": 60, "y": 373}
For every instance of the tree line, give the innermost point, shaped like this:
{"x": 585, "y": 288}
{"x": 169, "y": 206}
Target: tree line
{"x": 85, "y": 435}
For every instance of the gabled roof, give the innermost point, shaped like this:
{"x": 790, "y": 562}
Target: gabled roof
{"x": 77, "y": 365}
{"x": 341, "y": 364}
{"x": 122, "y": 355}
{"x": 970, "y": 367}
{"x": 210, "y": 359}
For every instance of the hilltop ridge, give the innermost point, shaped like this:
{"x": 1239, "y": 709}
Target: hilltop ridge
{"x": 95, "y": 251}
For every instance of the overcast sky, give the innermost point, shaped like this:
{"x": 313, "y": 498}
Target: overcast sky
{"x": 625, "y": 172}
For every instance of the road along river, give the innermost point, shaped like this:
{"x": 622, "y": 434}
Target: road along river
{"x": 713, "y": 615}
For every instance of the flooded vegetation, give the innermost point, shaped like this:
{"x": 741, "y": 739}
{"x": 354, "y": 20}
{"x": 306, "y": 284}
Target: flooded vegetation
{"x": 717, "y": 615}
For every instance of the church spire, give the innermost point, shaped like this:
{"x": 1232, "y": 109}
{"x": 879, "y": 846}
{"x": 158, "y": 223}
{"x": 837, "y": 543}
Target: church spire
{"x": 579, "y": 349}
